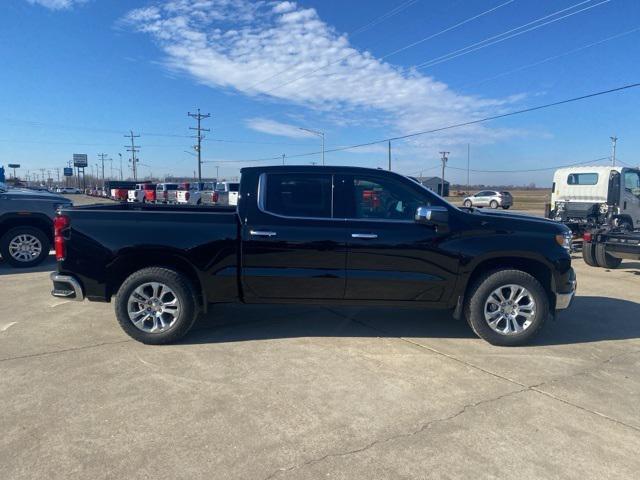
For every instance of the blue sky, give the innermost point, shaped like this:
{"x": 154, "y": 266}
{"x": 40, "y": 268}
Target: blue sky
{"x": 77, "y": 75}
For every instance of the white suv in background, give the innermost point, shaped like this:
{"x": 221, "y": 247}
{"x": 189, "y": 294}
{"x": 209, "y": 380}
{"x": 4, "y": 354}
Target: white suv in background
{"x": 489, "y": 198}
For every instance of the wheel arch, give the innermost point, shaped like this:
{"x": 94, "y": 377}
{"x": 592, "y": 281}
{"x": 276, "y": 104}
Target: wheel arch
{"x": 534, "y": 267}
{"x": 35, "y": 220}
{"x": 127, "y": 264}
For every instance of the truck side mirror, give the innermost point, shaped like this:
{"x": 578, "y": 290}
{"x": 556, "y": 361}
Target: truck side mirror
{"x": 432, "y": 215}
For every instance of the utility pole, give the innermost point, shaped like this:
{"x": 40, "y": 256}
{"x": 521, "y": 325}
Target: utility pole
{"x": 614, "y": 140}
{"x": 283, "y": 155}
{"x": 468, "y": 165}
{"x": 199, "y": 117}
{"x": 120, "y": 155}
{"x": 389, "y": 155}
{"x": 102, "y": 158}
{"x": 58, "y": 173}
{"x": 133, "y": 149}
{"x": 444, "y": 162}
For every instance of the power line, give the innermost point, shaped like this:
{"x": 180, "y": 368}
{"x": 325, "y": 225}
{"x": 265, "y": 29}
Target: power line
{"x": 383, "y": 17}
{"x": 551, "y": 58}
{"x": 490, "y": 41}
{"x": 448, "y": 29}
{"x": 253, "y": 160}
{"x": 473, "y": 122}
{"x": 532, "y": 170}
{"x": 357, "y": 52}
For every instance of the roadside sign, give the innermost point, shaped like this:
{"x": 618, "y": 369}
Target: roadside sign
{"x": 80, "y": 160}
{"x": 13, "y": 165}
{"x": 68, "y": 172}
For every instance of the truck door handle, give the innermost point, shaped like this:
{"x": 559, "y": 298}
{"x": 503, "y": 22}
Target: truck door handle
{"x": 364, "y": 235}
{"x": 262, "y": 233}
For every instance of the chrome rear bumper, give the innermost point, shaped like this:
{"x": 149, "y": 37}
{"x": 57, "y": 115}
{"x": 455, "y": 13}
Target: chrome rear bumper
{"x": 66, "y": 286}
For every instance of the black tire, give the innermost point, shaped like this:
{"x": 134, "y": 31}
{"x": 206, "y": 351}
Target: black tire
{"x": 493, "y": 204}
{"x": 184, "y": 292}
{"x": 589, "y": 254}
{"x": 37, "y": 233}
{"x": 468, "y": 203}
{"x": 604, "y": 259}
{"x": 507, "y": 207}
{"x": 482, "y": 289}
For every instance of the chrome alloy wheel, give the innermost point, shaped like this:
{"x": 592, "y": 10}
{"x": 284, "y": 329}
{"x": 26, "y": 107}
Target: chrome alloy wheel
{"x": 153, "y": 307}
{"x": 25, "y": 247}
{"x": 510, "y": 309}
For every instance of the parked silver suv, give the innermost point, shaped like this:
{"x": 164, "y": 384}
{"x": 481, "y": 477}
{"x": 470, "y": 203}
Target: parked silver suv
{"x": 489, "y": 198}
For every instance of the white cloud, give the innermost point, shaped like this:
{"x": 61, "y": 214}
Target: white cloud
{"x": 57, "y": 4}
{"x": 273, "y": 127}
{"x": 262, "y": 48}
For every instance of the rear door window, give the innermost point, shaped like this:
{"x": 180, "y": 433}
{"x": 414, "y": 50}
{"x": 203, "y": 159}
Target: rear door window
{"x": 307, "y": 195}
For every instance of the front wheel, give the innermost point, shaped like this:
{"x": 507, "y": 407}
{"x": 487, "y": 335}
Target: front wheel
{"x": 468, "y": 204}
{"x": 506, "y": 207}
{"x": 507, "y": 307}
{"x": 156, "y": 306}
{"x": 25, "y": 247}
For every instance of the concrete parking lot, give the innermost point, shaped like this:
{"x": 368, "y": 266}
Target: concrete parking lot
{"x": 270, "y": 392}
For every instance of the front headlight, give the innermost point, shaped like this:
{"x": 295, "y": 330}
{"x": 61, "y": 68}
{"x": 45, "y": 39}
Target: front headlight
{"x": 560, "y": 206}
{"x": 604, "y": 208}
{"x": 564, "y": 240}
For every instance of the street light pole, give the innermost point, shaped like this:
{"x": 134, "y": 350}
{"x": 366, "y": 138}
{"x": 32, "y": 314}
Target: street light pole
{"x": 319, "y": 134}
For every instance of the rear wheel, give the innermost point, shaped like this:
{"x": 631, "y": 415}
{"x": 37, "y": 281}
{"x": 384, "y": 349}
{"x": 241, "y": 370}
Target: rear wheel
{"x": 506, "y": 207}
{"x": 25, "y": 247}
{"x": 493, "y": 204}
{"x": 507, "y": 307}
{"x": 589, "y": 254}
{"x": 604, "y": 259}
{"x": 156, "y": 306}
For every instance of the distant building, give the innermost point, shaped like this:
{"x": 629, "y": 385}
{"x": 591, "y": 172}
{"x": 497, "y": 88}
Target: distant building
{"x": 435, "y": 184}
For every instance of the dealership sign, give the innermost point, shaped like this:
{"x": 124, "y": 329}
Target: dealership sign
{"x": 68, "y": 172}
{"x": 80, "y": 160}
{"x": 13, "y": 165}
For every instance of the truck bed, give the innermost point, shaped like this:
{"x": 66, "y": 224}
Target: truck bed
{"x": 106, "y": 242}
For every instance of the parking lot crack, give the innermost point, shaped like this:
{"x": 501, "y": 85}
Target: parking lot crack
{"x": 534, "y": 388}
{"x": 66, "y": 350}
{"x": 374, "y": 443}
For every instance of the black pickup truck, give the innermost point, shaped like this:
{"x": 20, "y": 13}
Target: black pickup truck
{"x": 305, "y": 234}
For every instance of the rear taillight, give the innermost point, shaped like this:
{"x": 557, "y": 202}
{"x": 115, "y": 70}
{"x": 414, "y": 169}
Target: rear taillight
{"x": 186, "y": 196}
{"x": 214, "y": 197}
{"x": 60, "y": 223}
{"x": 587, "y": 237}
